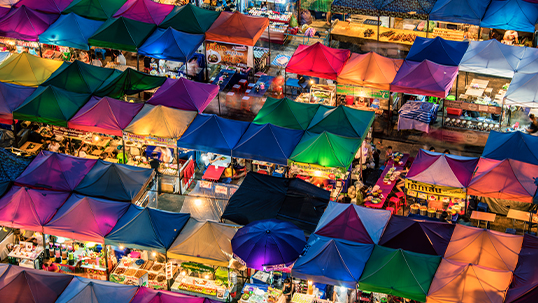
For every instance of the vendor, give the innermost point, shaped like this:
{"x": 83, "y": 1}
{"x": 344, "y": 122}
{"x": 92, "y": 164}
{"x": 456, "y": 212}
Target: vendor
{"x": 193, "y": 67}
{"x": 533, "y": 127}
{"x": 120, "y": 59}
{"x": 155, "y": 163}
{"x": 49, "y": 266}
{"x": 510, "y": 37}
{"x": 287, "y": 290}
{"x": 54, "y": 146}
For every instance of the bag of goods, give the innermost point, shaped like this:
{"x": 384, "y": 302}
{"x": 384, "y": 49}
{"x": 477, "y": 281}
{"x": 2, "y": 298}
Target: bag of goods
{"x": 293, "y": 21}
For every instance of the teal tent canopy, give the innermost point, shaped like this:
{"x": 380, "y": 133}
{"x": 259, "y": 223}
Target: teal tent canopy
{"x": 122, "y": 34}
{"x": 343, "y": 121}
{"x": 129, "y": 82}
{"x": 95, "y": 9}
{"x": 190, "y": 19}
{"x": 70, "y": 30}
{"x": 80, "y": 77}
{"x": 287, "y": 113}
{"x": 326, "y": 149}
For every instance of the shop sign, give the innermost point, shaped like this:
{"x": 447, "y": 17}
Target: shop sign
{"x": 277, "y": 267}
{"x": 205, "y": 184}
{"x": 221, "y": 190}
{"x": 332, "y": 173}
{"x": 473, "y": 107}
{"x": 68, "y": 132}
{"x": 229, "y": 54}
{"x": 148, "y": 140}
{"x": 20, "y": 43}
{"x": 423, "y": 190}
{"x": 360, "y": 91}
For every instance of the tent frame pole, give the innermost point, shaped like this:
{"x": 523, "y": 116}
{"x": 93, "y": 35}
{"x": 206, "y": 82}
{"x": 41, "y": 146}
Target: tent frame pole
{"x": 15, "y": 137}
{"x": 124, "y": 149}
{"x": 168, "y": 287}
{"x": 427, "y": 26}
{"x": 106, "y": 260}
{"x": 40, "y": 51}
{"x": 206, "y": 63}
{"x": 177, "y": 163}
{"x": 218, "y": 100}
{"x": 137, "y": 61}
{"x": 378, "y": 24}
{"x": 269, "y": 39}
{"x": 457, "y": 80}
{"x": 389, "y": 115}
{"x": 502, "y": 113}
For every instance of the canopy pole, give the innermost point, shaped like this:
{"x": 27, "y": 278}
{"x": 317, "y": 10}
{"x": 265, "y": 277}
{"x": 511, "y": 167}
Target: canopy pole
{"x": 360, "y": 162}
{"x": 206, "y": 63}
{"x": 427, "y": 26}
{"x": 285, "y": 80}
{"x": 502, "y": 114}
{"x": 479, "y": 35}
{"x": 269, "y": 35}
{"x": 124, "y": 149}
{"x": 457, "y": 80}
{"x": 177, "y": 163}
{"x": 218, "y": 100}
{"x": 166, "y": 263}
{"x": 40, "y": 52}
{"x": 389, "y": 114}
{"x": 106, "y": 261}
{"x": 378, "y": 24}
{"x": 16, "y": 139}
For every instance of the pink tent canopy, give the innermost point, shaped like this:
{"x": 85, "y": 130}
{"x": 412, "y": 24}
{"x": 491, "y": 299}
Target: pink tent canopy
{"x": 484, "y": 247}
{"x": 144, "y": 11}
{"x": 507, "y": 179}
{"x": 318, "y": 60}
{"x": 184, "y": 94}
{"x": 55, "y": 171}
{"x": 105, "y": 115}
{"x": 29, "y": 208}
{"x": 86, "y": 219}
{"x": 442, "y": 169}
{"x": 424, "y": 78}
{"x": 25, "y": 24}
{"x": 524, "y": 287}
{"x": 45, "y": 6}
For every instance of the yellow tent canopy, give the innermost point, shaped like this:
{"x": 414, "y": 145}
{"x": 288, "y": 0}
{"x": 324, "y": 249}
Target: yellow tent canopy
{"x": 369, "y": 70}
{"x": 28, "y": 70}
{"x": 161, "y": 122}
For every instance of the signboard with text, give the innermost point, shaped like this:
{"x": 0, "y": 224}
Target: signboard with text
{"x": 229, "y": 54}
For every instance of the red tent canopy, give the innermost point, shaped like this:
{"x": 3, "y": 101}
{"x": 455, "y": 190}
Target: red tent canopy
{"x": 318, "y": 60}
{"x": 237, "y": 28}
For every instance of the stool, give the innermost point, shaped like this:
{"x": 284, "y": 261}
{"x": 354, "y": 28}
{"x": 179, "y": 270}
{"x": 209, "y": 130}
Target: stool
{"x": 391, "y": 210}
{"x": 482, "y": 207}
{"x": 401, "y": 195}
{"x": 396, "y": 202}
{"x": 246, "y": 102}
{"x": 510, "y": 231}
{"x": 236, "y": 88}
{"x": 243, "y": 83}
{"x": 247, "y": 91}
{"x": 230, "y": 99}
{"x": 251, "y": 86}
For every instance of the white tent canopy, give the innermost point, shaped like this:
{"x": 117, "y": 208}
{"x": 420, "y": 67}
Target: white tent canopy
{"x": 492, "y": 58}
{"x": 523, "y": 90}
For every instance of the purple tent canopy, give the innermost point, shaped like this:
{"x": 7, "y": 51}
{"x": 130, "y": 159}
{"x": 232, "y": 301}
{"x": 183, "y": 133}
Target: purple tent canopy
{"x": 25, "y": 24}
{"x": 184, "y": 94}
{"x": 55, "y": 171}
{"x": 524, "y": 287}
{"x": 424, "y": 78}
{"x": 19, "y": 284}
{"x": 425, "y": 237}
{"x": 144, "y": 11}
{"x": 11, "y": 97}
{"x": 45, "y": 6}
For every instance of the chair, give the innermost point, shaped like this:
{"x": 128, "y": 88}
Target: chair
{"x": 263, "y": 172}
{"x": 482, "y": 207}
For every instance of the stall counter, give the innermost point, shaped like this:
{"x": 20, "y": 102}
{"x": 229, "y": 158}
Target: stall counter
{"x": 212, "y": 289}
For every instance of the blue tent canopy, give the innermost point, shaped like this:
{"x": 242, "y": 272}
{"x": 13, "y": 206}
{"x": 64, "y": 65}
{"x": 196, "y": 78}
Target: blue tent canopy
{"x": 70, "y": 30}
{"x": 437, "y": 50}
{"x": 518, "y": 15}
{"x": 516, "y": 145}
{"x": 492, "y": 58}
{"x": 96, "y": 291}
{"x": 522, "y": 90}
{"x": 461, "y": 11}
{"x": 267, "y": 142}
{"x": 147, "y": 229}
{"x": 332, "y": 261}
{"x": 211, "y": 133}
{"x": 114, "y": 181}
{"x": 529, "y": 61}
{"x": 171, "y": 44}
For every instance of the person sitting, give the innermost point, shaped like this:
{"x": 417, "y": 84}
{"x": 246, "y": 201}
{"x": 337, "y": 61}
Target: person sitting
{"x": 464, "y": 220}
{"x": 446, "y": 152}
{"x": 54, "y": 146}
{"x": 533, "y": 127}
{"x": 287, "y": 290}
{"x": 120, "y": 59}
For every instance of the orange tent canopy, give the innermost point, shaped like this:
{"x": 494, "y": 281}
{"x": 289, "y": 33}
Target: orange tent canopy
{"x": 369, "y": 70}
{"x": 237, "y": 28}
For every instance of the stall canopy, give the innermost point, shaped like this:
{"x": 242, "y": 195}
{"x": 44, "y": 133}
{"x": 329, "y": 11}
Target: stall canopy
{"x": 190, "y": 19}
{"x": 70, "y": 30}
{"x": 286, "y": 113}
{"x": 122, "y": 34}
{"x": 105, "y": 116}
{"x": 492, "y": 58}
{"x": 518, "y": 15}
{"x": 369, "y": 70}
{"x": 343, "y": 121}
{"x": 30, "y": 209}
{"x": 207, "y": 242}
{"x": 352, "y": 223}
{"x": 437, "y": 50}
{"x": 400, "y": 273}
{"x": 115, "y": 181}
{"x": 425, "y": 237}
{"x": 266, "y": 197}
{"x": 424, "y": 78}
{"x": 484, "y": 247}
{"x": 150, "y": 295}
{"x": 45, "y": 6}
{"x": 147, "y": 229}
{"x": 80, "y": 77}
{"x": 160, "y": 121}
{"x": 505, "y": 179}
{"x": 522, "y": 91}
{"x": 318, "y": 60}
{"x": 129, "y": 82}
{"x": 25, "y": 24}
{"x": 332, "y": 261}
{"x": 515, "y": 145}
{"x": 96, "y": 291}
{"x": 50, "y": 105}
{"x": 211, "y": 133}
{"x": 19, "y": 284}
{"x": 185, "y": 94}
{"x": 524, "y": 287}
{"x": 529, "y": 62}
{"x": 237, "y": 28}
{"x": 28, "y": 70}
{"x": 326, "y": 149}
{"x": 11, "y": 97}
{"x": 457, "y": 282}
{"x": 442, "y": 169}
{"x": 268, "y": 143}
{"x": 94, "y": 9}
{"x": 462, "y": 11}
{"x": 171, "y": 44}
{"x": 85, "y": 219}
{"x": 147, "y": 11}
{"x": 54, "y": 171}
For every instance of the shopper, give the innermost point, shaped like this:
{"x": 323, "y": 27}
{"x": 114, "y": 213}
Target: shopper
{"x": 533, "y": 127}
{"x": 49, "y": 266}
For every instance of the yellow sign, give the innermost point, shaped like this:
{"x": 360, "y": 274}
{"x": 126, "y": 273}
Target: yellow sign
{"x": 315, "y": 170}
{"x": 431, "y": 189}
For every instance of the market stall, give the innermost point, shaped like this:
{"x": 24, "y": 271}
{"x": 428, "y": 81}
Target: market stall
{"x": 129, "y": 82}
{"x": 184, "y": 94}
{"x": 80, "y": 289}
{"x": 343, "y": 121}
{"x": 515, "y": 145}
{"x": 27, "y": 70}
{"x": 207, "y": 200}
{"x": 437, "y": 50}
{"x": 524, "y": 286}
{"x": 144, "y": 11}
{"x": 278, "y": 24}
{"x": 492, "y": 58}
{"x": 424, "y": 78}
{"x": 70, "y": 30}
{"x": 378, "y": 195}
{"x": 94, "y": 9}
{"x": 24, "y": 23}
{"x": 121, "y": 33}
{"x": 190, "y": 18}
{"x": 286, "y": 113}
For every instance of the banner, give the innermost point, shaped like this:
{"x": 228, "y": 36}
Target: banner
{"x": 359, "y": 91}
{"x": 473, "y": 107}
{"x": 229, "y": 54}
{"x": 425, "y": 190}
{"x": 148, "y": 140}
{"x": 332, "y": 173}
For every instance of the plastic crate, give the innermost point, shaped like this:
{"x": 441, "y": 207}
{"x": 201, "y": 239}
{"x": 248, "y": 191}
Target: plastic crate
{"x": 454, "y": 111}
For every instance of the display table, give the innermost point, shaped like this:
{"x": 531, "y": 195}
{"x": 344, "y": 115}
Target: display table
{"x": 482, "y": 216}
{"x": 520, "y": 215}
{"x": 258, "y": 293}
{"x": 213, "y": 173}
{"x": 31, "y": 147}
{"x": 227, "y": 78}
{"x": 406, "y": 123}
{"x": 257, "y": 90}
{"x": 27, "y": 253}
{"x": 212, "y": 289}
{"x": 387, "y": 188}
{"x": 369, "y": 32}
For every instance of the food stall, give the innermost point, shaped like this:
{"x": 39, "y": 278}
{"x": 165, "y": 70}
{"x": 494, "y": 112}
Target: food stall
{"x": 323, "y": 94}
{"x": 259, "y": 293}
{"x": 25, "y": 254}
{"x": 137, "y": 269}
{"x": 278, "y": 24}
{"x": 334, "y": 179}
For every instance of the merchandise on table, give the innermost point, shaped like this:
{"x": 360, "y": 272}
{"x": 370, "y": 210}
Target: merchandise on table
{"x": 135, "y": 271}
{"x": 254, "y": 293}
{"x": 319, "y": 94}
{"x": 26, "y": 254}
{"x": 203, "y": 280}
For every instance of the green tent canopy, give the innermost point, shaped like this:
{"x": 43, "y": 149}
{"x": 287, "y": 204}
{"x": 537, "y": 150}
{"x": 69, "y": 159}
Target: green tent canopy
{"x": 94, "y": 9}
{"x": 343, "y": 121}
{"x": 286, "y": 113}
{"x": 400, "y": 273}
{"x": 190, "y": 19}
{"x": 51, "y": 105}
{"x": 129, "y": 82}
{"x": 80, "y": 77}
{"x": 121, "y": 33}
{"x": 326, "y": 149}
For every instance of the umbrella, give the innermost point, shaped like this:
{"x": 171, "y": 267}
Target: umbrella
{"x": 268, "y": 244}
